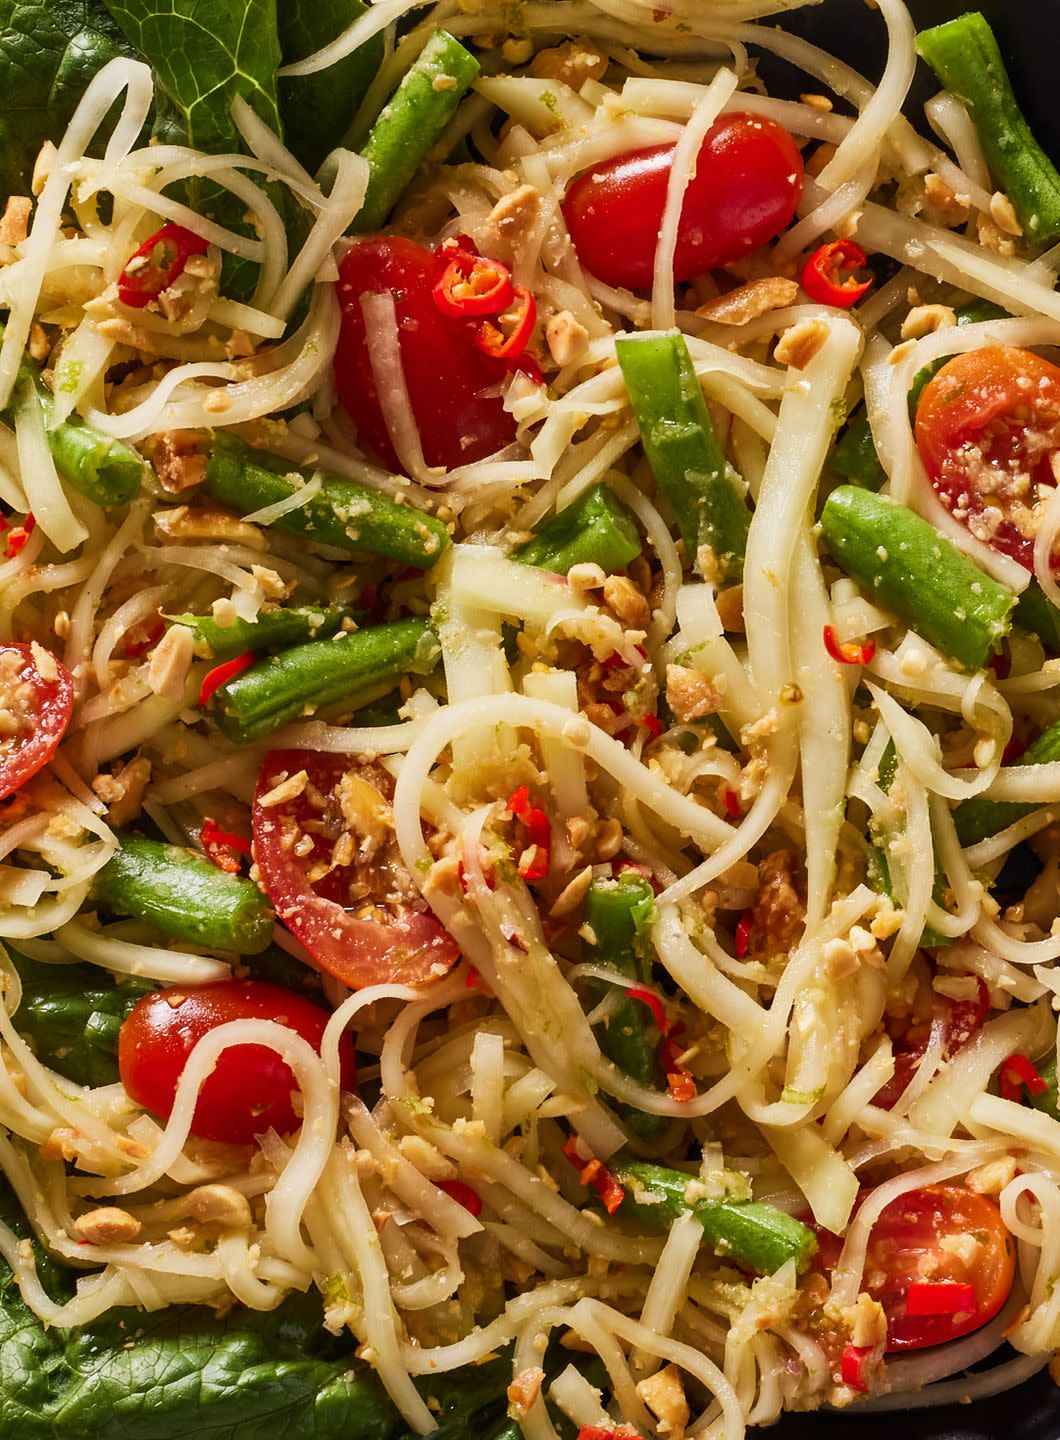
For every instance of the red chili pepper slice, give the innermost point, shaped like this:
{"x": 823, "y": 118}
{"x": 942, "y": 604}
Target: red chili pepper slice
{"x": 743, "y": 935}
{"x": 653, "y": 725}
{"x": 536, "y": 858}
{"x": 849, "y": 654}
{"x": 16, "y": 541}
{"x": 681, "y": 1084}
{"x": 222, "y": 846}
{"x": 509, "y": 342}
{"x": 852, "y": 1367}
{"x": 822, "y": 278}
{"x": 732, "y": 803}
{"x": 221, "y": 674}
{"x": 654, "y": 1004}
{"x": 473, "y": 285}
{"x": 463, "y": 1195}
{"x": 594, "y": 1432}
{"x": 159, "y": 261}
{"x": 942, "y": 1297}
{"x": 1017, "y": 1071}
{"x": 595, "y": 1173}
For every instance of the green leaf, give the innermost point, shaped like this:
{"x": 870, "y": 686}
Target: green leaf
{"x": 318, "y": 110}
{"x": 49, "y": 51}
{"x": 203, "y": 55}
{"x": 71, "y": 1015}
{"x": 183, "y": 1372}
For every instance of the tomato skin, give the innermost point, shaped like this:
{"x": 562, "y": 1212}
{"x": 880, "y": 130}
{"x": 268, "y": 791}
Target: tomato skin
{"x": 42, "y": 709}
{"x": 402, "y": 944}
{"x": 962, "y": 1020}
{"x": 445, "y": 372}
{"x": 745, "y": 190}
{"x": 250, "y": 1088}
{"x": 904, "y": 1247}
{"x": 986, "y": 426}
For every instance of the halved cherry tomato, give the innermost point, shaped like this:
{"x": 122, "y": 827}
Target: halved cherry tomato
{"x": 250, "y": 1088}
{"x": 452, "y": 385}
{"x": 961, "y": 1018}
{"x": 745, "y": 189}
{"x": 942, "y": 1234}
{"x": 986, "y": 426}
{"x": 332, "y": 870}
{"x": 39, "y": 709}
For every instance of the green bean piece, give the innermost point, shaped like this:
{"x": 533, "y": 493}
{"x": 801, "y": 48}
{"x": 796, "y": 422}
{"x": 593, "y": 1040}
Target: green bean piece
{"x": 914, "y": 570}
{"x": 964, "y": 54}
{"x": 596, "y": 529}
{"x": 181, "y": 893}
{"x": 272, "y": 630}
{"x": 748, "y": 1232}
{"x": 411, "y": 124}
{"x": 342, "y": 514}
{"x": 700, "y": 486}
{"x": 854, "y": 453}
{"x": 300, "y": 681}
{"x": 618, "y": 913}
{"x": 102, "y": 469}
{"x": 1037, "y": 613}
{"x": 979, "y": 818}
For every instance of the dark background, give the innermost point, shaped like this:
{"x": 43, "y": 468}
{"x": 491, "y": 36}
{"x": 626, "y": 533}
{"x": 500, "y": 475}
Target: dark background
{"x": 1029, "y": 33}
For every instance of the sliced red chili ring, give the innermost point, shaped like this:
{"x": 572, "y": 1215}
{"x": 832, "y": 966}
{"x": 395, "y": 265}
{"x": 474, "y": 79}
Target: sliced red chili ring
{"x": 473, "y": 285}
{"x": 1017, "y": 1071}
{"x": 848, "y": 654}
{"x": 518, "y": 326}
{"x": 654, "y": 1004}
{"x": 160, "y": 261}
{"x": 823, "y": 278}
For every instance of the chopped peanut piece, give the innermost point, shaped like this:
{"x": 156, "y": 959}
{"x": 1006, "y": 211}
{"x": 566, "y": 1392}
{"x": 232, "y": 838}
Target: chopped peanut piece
{"x": 691, "y": 695}
{"x": 207, "y": 523}
{"x": 514, "y": 216}
{"x": 991, "y": 1179}
{"x": 524, "y": 1390}
{"x": 750, "y": 301}
{"x": 626, "y": 601}
{"x": 567, "y": 338}
{"x": 926, "y": 319}
{"x": 218, "y": 1205}
{"x": 180, "y": 459}
{"x": 170, "y": 663}
{"x": 797, "y": 346}
{"x": 107, "y": 1226}
{"x": 14, "y": 224}
{"x": 572, "y": 64}
{"x": 664, "y": 1395}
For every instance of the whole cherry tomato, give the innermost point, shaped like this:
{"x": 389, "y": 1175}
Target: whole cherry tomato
{"x": 453, "y": 387}
{"x": 250, "y": 1088}
{"x": 746, "y": 186}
